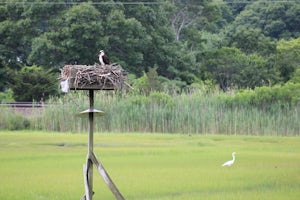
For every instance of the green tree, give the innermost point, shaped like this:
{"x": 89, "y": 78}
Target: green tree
{"x": 185, "y": 14}
{"x": 11, "y": 49}
{"x": 33, "y": 84}
{"x": 137, "y": 37}
{"x": 3, "y": 76}
{"x": 237, "y": 6}
{"x": 6, "y": 96}
{"x": 230, "y": 67}
{"x": 296, "y": 76}
{"x": 19, "y": 25}
{"x": 76, "y": 37}
{"x": 287, "y": 57}
{"x": 126, "y": 40}
{"x": 274, "y": 19}
{"x": 222, "y": 65}
{"x": 256, "y": 72}
{"x": 153, "y": 79}
{"x": 148, "y": 82}
{"x": 252, "y": 41}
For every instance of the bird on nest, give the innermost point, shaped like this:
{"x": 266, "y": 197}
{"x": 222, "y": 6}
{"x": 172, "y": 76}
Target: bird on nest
{"x": 103, "y": 59}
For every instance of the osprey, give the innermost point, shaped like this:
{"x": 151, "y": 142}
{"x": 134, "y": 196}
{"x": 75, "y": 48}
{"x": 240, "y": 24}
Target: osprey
{"x": 103, "y": 59}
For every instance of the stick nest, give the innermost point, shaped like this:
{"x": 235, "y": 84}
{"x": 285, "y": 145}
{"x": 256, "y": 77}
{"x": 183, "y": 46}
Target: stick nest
{"x": 102, "y": 77}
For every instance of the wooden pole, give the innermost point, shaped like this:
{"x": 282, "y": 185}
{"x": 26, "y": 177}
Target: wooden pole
{"x": 92, "y": 159}
{"x": 91, "y": 144}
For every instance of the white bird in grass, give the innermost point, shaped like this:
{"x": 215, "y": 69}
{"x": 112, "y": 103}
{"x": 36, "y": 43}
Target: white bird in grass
{"x": 230, "y": 162}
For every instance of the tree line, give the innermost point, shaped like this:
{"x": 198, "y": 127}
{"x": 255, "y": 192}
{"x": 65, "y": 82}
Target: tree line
{"x": 165, "y": 45}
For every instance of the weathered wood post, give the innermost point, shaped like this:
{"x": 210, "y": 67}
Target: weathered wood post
{"x": 91, "y": 143}
{"x": 88, "y": 167}
{"x": 83, "y": 77}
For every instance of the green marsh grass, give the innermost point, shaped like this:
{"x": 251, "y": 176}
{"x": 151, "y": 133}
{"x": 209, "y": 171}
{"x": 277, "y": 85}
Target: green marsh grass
{"x": 185, "y": 113}
{"x": 188, "y": 113}
{"x": 150, "y": 166}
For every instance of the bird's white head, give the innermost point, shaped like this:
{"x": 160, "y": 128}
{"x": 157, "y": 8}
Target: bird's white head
{"x": 101, "y": 52}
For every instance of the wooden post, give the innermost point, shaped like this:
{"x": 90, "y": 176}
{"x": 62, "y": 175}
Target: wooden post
{"x": 90, "y": 145}
{"x": 92, "y": 159}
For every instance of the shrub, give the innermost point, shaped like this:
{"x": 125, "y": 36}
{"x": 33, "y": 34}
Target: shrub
{"x": 12, "y": 121}
{"x": 6, "y": 96}
{"x": 38, "y": 83}
{"x": 264, "y": 97}
{"x": 161, "y": 98}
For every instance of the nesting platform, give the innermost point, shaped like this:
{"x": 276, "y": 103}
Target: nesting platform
{"x": 94, "y": 77}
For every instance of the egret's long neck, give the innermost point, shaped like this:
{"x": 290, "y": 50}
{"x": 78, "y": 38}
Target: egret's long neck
{"x": 233, "y": 157}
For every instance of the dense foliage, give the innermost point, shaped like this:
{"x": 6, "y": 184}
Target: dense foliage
{"x": 234, "y": 44}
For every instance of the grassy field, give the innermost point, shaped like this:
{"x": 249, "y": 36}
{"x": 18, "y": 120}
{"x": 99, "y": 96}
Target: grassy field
{"x": 150, "y": 166}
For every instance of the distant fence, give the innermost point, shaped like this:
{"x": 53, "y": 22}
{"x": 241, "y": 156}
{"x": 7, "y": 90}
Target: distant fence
{"x": 23, "y": 104}
{"x": 24, "y": 108}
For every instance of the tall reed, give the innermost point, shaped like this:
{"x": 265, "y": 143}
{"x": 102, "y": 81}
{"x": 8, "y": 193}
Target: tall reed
{"x": 188, "y": 113}
{"x": 11, "y": 120}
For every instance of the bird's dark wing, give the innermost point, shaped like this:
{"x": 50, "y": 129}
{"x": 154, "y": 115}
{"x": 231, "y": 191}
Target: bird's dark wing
{"x": 105, "y": 60}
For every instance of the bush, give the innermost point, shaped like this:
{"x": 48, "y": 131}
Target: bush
{"x": 13, "y": 121}
{"x": 162, "y": 98}
{"x": 264, "y": 97}
{"x": 6, "y": 96}
{"x": 38, "y": 83}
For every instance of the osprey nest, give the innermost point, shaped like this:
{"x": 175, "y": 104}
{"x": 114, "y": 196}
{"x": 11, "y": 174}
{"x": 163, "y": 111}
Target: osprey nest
{"x": 95, "y": 77}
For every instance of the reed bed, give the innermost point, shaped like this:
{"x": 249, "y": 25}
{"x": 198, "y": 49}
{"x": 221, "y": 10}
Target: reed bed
{"x": 190, "y": 113}
{"x": 197, "y": 112}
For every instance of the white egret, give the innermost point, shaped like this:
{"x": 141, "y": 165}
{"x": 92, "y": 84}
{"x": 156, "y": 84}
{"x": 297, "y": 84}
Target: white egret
{"x": 230, "y": 162}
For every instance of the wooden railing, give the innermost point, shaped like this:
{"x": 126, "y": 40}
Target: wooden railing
{"x": 24, "y": 108}
{"x": 23, "y": 104}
